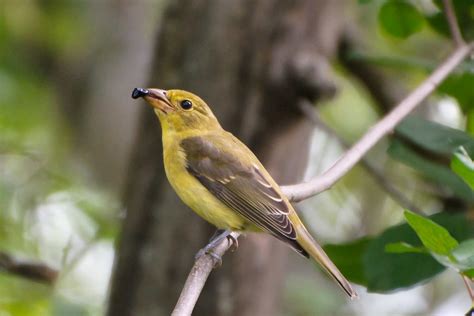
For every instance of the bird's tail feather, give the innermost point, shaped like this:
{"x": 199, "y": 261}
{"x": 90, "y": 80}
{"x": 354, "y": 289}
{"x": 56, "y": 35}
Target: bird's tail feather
{"x": 317, "y": 253}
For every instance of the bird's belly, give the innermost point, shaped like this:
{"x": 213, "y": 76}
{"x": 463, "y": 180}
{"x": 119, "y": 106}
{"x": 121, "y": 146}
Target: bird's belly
{"x": 197, "y": 197}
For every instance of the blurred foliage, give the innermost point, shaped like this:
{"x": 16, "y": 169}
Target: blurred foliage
{"x": 50, "y": 210}
{"x": 464, "y": 10}
{"x": 436, "y": 172}
{"x": 413, "y": 253}
{"x": 442, "y": 144}
{"x": 463, "y": 166}
{"x": 400, "y": 18}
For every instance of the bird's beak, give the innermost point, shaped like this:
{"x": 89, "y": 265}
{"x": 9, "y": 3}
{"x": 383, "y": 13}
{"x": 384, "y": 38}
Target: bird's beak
{"x": 155, "y": 97}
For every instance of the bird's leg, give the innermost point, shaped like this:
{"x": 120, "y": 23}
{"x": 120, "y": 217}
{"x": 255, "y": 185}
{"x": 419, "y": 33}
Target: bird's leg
{"x": 215, "y": 240}
{"x": 218, "y": 233}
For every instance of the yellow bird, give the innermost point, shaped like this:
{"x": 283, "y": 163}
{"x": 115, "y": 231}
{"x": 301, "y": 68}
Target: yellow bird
{"x": 220, "y": 178}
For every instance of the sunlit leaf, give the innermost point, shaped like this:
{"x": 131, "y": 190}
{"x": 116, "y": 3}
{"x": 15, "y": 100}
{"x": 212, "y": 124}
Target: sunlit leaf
{"x": 403, "y": 247}
{"x": 433, "y": 236}
{"x": 463, "y": 166}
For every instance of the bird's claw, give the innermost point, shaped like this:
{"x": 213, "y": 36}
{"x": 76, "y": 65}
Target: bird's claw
{"x": 216, "y": 239}
{"x": 234, "y": 243}
{"x": 216, "y": 258}
{"x": 199, "y": 254}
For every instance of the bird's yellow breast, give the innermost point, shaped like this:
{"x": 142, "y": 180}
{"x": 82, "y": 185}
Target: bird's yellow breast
{"x": 192, "y": 192}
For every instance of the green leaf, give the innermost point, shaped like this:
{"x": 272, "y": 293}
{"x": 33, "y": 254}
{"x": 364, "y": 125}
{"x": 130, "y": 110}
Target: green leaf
{"x": 353, "y": 268}
{"x": 386, "y": 272}
{"x": 431, "y": 170}
{"x": 366, "y": 262}
{"x": 433, "y": 236}
{"x": 459, "y": 86}
{"x": 400, "y": 18}
{"x": 463, "y": 166}
{"x": 470, "y": 121}
{"x": 460, "y": 259}
{"x": 432, "y": 136}
{"x": 469, "y": 273}
{"x": 440, "y": 140}
{"x": 464, "y": 255}
{"x": 403, "y": 247}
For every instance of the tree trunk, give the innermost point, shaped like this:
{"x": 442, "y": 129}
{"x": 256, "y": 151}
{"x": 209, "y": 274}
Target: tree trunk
{"x": 252, "y": 62}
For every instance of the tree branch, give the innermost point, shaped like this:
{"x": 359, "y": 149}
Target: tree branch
{"x": 326, "y": 180}
{"x": 30, "y": 270}
{"x": 204, "y": 265}
{"x": 394, "y": 193}
{"x": 453, "y": 23}
{"x": 198, "y": 277}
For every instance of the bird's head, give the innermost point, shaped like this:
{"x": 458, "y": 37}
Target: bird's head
{"x": 178, "y": 110}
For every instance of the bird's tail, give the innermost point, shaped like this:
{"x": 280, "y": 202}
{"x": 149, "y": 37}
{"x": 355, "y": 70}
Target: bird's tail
{"x": 317, "y": 253}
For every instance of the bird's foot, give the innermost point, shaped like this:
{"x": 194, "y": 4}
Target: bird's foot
{"x": 234, "y": 241}
{"x": 215, "y": 240}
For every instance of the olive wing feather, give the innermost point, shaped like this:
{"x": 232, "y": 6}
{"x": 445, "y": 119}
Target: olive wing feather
{"x": 239, "y": 185}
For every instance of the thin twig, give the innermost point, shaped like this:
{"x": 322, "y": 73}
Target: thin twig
{"x": 467, "y": 282}
{"x": 34, "y": 271}
{"x": 197, "y": 278}
{"x": 377, "y": 175}
{"x": 453, "y": 23}
{"x": 325, "y": 181}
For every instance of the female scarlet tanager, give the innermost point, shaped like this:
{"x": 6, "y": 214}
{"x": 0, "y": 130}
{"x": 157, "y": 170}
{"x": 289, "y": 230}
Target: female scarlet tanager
{"x": 218, "y": 177}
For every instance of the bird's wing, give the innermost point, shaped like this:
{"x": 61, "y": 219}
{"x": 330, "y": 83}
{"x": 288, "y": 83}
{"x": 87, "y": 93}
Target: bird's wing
{"x": 239, "y": 184}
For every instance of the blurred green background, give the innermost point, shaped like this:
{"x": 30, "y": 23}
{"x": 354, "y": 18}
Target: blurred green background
{"x": 67, "y": 127}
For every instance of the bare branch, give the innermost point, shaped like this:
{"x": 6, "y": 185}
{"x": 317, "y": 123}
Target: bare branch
{"x": 453, "y": 23}
{"x": 198, "y": 277}
{"x": 30, "y": 270}
{"x": 378, "y": 176}
{"x": 325, "y": 181}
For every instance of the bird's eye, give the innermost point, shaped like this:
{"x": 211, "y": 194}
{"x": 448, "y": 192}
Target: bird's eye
{"x": 186, "y": 104}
